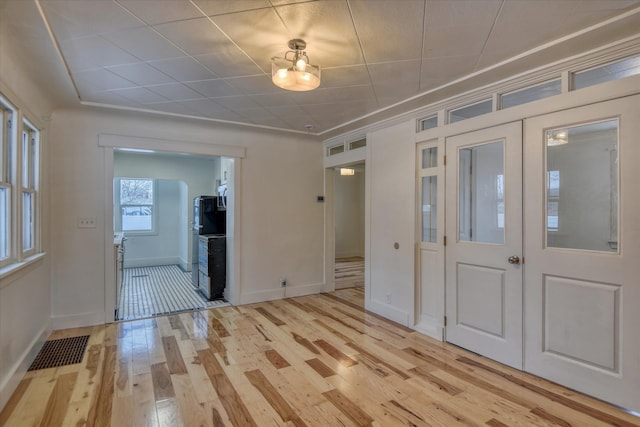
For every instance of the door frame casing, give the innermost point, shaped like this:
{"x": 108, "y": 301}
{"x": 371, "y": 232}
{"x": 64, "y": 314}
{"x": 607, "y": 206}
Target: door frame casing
{"x": 108, "y": 142}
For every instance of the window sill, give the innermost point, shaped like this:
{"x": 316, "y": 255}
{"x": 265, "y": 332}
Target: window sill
{"x": 11, "y": 269}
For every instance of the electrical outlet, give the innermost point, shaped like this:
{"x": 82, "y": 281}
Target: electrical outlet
{"x": 283, "y": 282}
{"x": 87, "y": 222}
{"x": 388, "y": 298}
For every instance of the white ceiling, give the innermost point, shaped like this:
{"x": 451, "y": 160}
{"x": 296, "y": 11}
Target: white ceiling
{"x": 211, "y": 58}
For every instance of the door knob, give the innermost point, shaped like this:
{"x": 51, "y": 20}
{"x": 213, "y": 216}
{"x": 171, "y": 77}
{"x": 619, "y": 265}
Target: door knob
{"x": 514, "y": 259}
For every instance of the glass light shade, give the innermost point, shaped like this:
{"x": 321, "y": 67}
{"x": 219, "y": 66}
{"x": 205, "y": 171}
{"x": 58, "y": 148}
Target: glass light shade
{"x": 285, "y": 75}
{"x": 347, "y": 171}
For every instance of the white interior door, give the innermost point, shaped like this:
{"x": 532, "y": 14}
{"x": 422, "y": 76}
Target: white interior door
{"x": 484, "y": 242}
{"x": 583, "y": 245}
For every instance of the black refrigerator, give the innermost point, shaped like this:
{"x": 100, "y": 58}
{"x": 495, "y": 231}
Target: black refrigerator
{"x": 208, "y": 219}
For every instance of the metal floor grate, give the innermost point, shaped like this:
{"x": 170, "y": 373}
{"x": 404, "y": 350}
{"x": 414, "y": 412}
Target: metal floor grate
{"x": 65, "y": 351}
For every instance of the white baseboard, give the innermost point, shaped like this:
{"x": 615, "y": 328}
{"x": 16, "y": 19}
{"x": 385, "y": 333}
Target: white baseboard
{"x": 387, "y": 311}
{"x": 79, "y": 320}
{"x": 184, "y": 265}
{"x": 430, "y": 330}
{"x": 149, "y": 262}
{"x": 281, "y": 293}
{"x": 19, "y": 369}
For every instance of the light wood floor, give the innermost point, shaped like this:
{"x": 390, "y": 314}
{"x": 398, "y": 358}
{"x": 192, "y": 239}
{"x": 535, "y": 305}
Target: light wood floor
{"x": 349, "y": 272}
{"x": 317, "y": 361}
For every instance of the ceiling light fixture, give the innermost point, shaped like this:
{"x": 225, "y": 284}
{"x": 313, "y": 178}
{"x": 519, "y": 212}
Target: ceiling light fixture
{"x": 294, "y": 72}
{"x": 557, "y": 137}
{"x": 347, "y": 171}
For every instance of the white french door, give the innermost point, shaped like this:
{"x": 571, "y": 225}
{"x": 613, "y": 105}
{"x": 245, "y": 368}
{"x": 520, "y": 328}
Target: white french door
{"x": 484, "y": 242}
{"x": 582, "y": 248}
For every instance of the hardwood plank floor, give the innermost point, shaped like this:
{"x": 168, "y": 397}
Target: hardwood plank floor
{"x": 349, "y": 272}
{"x": 318, "y": 360}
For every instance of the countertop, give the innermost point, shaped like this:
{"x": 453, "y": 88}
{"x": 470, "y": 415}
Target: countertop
{"x": 117, "y": 238}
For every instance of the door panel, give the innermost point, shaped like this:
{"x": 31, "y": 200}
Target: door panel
{"x": 582, "y": 249}
{"x": 484, "y": 290}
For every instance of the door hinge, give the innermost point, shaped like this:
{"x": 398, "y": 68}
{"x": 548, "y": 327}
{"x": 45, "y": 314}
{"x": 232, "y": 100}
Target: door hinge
{"x": 444, "y": 161}
{"x": 445, "y": 320}
{"x": 9, "y": 123}
{"x": 445, "y": 240}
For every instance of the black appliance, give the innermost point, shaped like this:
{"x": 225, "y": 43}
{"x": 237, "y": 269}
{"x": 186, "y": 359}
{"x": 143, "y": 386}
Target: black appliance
{"x": 212, "y": 273}
{"x": 207, "y": 219}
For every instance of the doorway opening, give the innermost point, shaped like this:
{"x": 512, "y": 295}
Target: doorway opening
{"x": 349, "y": 208}
{"x": 153, "y": 230}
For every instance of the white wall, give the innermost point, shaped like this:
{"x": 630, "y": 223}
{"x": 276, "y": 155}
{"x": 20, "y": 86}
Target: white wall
{"x": 390, "y": 290}
{"x": 349, "y": 214}
{"x": 198, "y": 173}
{"x": 281, "y": 223}
{"x": 25, "y": 296}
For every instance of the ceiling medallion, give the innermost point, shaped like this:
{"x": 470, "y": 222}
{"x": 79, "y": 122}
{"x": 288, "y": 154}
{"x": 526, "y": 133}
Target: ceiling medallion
{"x": 294, "y": 71}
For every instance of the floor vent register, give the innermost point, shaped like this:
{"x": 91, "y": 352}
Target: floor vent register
{"x": 61, "y": 352}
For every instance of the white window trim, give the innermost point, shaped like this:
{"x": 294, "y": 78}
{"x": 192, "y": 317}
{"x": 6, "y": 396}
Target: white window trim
{"x": 18, "y": 258}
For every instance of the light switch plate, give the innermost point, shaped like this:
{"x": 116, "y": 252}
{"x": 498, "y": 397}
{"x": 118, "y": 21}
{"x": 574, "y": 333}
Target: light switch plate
{"x": 87, "y": 222}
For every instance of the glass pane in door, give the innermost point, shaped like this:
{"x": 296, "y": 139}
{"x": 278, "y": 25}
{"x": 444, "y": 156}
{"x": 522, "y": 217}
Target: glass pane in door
{"x": 582, "y": 187}
{"x": 429, "y": 209}
{"x": 481, "y": 195}
{"x": 430, "y": 157}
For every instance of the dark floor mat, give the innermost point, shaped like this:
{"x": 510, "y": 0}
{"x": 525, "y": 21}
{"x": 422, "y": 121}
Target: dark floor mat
{"x": 65, "y": 351}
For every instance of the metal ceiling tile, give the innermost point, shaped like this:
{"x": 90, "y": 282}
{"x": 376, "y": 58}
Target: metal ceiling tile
{"x": 72, "y": 18}
{"x": 458, "y": 27}
{"x": 99, "y": 80}
{"x": 254, "y": 85}
{"x": 230, "y": 63}
{"x": 183, "y": 69}
{"x": 197, "y": 36}
{"x": 438, "y": 71}
{"x": 109, "y": 98}
{"x": 172, "y": 107}
{"x": 389, "y": 30}
{"x": 175, "y": 91}
{"x": 335, "y": 95}
{"x": 217, "y": 7}
{"x": 92, "y": 52}
{"x": 226, "y": 116}
{"x": 144, "y": 43}
{"x": 270, "y": 100}
{"x": 345, "y": 76}
{"x": 156, "y": 12}
{"x": 142, "y": 74}
{"x": 213, "y": 88}
{"x": 140, "y": 95}
{"x": 237, "y": 103}
{"x": 395, "y": 81}
{"x": 546, "y": 21}
{"x": 204, "y": 106}
{"x": 268, "y": 36}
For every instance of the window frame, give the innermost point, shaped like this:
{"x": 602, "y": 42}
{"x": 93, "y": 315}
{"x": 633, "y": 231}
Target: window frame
{"x": 118, "y": 207}
{"x": 15, "y": 165}
{"x": 29, "y": 184}
{"x": 8, "y": 114}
